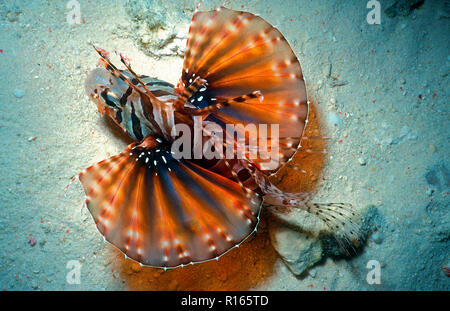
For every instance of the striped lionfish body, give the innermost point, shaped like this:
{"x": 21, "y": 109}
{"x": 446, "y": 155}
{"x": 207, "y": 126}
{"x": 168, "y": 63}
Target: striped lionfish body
{"x": 130, "y": 108}
{"x": 165, "y": 211}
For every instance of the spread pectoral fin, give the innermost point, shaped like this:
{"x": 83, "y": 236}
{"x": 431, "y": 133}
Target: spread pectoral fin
{"x": 166, "y": 212}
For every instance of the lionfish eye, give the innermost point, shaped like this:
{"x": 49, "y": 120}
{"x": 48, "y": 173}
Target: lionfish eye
{"x": 109, "y": 98}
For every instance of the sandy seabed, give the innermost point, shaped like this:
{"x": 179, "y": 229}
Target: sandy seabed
{"x": 379, "y": 91}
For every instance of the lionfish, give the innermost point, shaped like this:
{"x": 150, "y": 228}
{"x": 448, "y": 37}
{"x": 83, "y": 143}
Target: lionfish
{"x": 163, "y": 211}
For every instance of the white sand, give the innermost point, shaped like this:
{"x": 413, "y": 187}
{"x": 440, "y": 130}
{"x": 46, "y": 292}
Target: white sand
{"x": 53, "y": 132}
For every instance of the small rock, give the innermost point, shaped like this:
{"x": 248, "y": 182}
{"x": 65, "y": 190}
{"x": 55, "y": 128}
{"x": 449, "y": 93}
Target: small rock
{"x": 135, "y": 267}
{"x": 13, "y": 15}
{"x": 146, "y": 39}
{"x": 18, "y": 93}
{"x": 319, "y": 84}
{"x": 297, "y": 250}
{"x": 362, "y": 161}
{"x": 115, "y": 274}
{"x": 32, "y": 241}
{"x": 377, "y": 237}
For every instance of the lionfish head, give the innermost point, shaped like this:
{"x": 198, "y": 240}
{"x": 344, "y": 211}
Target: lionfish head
{"x": 104, "y": 90}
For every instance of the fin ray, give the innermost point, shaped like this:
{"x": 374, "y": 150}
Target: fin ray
{"x": 165, "y": 212}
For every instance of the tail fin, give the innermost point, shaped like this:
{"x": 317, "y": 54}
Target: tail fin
{"x": 340, "y": 218}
